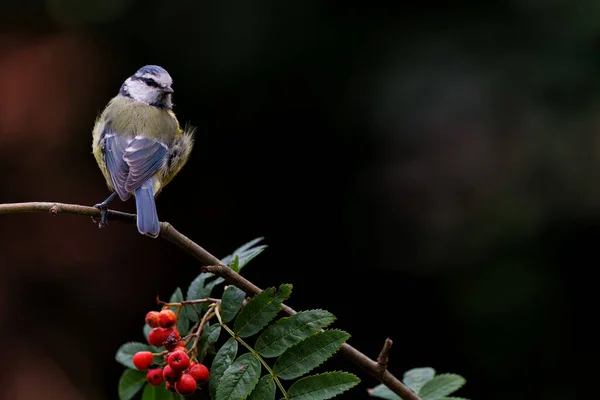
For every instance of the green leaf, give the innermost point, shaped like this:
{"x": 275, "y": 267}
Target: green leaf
{"x": 183, "y": 322}
{"x": 200, "y": 288}
{"x": 322, "y": 386}
{"x": 231, "y": 303}
{"x": 264, "y": 390}
{"x": 125, "y": 353}
{"x": 196, "y": 289}
{"x": 239, "y": 379}
{"x": 415, "y": 378}
{"x": 286, "y": 332}
{"x": 440, "y": 386}
{"x": 260, "y": 310}
{"x": 309, "y": 353}
{"x": 221, "y": 362}
{"x": 208, "y": 337}
{"x": 235, "y": 264}
{"x": 383, "y": 392}
{"x": 193, "y": 313}
{"x": 130, "y": 383}
{"x": 159, "y": 392}
{"x": 176, "y": 297}
{"x": 217, "y": 280}
{"x": 244, "y": 254}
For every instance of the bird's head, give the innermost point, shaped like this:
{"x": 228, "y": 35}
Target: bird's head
{"x": 151, "y": 84}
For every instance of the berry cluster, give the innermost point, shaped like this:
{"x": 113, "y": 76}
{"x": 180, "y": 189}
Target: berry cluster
{"x": 180, "y": 372}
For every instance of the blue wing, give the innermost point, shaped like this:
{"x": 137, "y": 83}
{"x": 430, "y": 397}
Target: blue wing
{"x": 144, "y": 157}
{"x": 131, "y": 162}
{"x": 115, "y": 164}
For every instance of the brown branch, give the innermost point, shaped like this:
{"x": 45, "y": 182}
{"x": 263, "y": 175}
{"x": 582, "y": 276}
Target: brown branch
{"x": 214, "y": 265}
{"x": 383, "y": 357}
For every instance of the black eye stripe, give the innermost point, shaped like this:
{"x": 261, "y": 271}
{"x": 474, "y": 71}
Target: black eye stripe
{"x": 151, "y": 82}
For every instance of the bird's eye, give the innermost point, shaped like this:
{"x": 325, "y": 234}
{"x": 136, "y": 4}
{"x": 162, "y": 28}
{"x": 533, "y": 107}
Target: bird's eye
{"x": 151, "y": 82}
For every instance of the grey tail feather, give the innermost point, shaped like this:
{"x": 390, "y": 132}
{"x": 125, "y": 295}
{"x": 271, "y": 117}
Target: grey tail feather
{"x": 147, "y": 218}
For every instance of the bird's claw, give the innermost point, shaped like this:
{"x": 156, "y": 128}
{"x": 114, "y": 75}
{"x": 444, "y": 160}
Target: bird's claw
{"x": 103, "y": 215}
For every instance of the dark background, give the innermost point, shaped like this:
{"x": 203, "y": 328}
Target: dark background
{"x": 426, "y": 172}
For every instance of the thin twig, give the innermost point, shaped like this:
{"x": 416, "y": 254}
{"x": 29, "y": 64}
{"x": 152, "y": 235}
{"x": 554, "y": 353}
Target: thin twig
{"x": 189, "y": 302}
{"x": 214, "y": 265}
{"x": 209, "y": 314}
{"x": 383, "y": 357}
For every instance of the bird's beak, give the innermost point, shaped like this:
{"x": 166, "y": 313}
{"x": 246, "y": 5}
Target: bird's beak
{"x": 168, "y": 89}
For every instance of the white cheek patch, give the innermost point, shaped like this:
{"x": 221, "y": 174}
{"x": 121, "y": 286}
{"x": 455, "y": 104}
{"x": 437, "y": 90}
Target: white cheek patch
{"x": 141, "y": 92}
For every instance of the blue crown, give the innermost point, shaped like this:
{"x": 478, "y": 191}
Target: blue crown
{"x": 154, "y": 70}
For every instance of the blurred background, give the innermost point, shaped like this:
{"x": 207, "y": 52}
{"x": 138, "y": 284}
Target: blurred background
{"x": 425, "y": 172}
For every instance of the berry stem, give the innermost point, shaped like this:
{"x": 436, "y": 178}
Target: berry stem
{"x": 254, "y": 353}
{"x": 207, "y": 316}
{"x": 188, "y": 302}
{"x": 179, "y": 308}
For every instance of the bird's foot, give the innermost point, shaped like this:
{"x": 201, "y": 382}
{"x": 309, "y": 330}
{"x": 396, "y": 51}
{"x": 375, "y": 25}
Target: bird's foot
{"x": 103, "y": 207}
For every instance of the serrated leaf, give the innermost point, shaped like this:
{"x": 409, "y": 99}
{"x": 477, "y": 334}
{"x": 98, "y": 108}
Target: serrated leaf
{"x": 130, "y": 383}
{"x": 194, "y": 313}
{"x": 260, "y": 310}
{"x": 231, "y": 302}
{"x": 249, "y": 255}
{"x": 286, "y": 332}
{"x": 208, "y": 337}
{"x": 383, "y": 392}
{"x": 309, "y": 353}
{"x": 239, "y": 379}
{"x": 322, "y": 386}
{"x": 244, "y": 254}
{"x": 159, "y": 392}
{"x": 176, "y": 297}
{"x": 125, "y": 353}
{"x": 415, "y": 378}
{"x": 264, "y": 390}
{"x": 248, "y": 245}
{"x": 223, "y": 359}
{"x": 217, "y": 281}
{"x": 183, "y": 323}
{"x": 200, "y": 288}
{"x": 440, "y": 386}
{"x": 196, "y": 289}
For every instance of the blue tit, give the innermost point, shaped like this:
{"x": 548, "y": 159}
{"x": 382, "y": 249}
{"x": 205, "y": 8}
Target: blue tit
{"x": 139, "y": 145}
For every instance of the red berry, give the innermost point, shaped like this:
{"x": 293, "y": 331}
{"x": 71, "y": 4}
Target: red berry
{"x": 200, "y": 373}
{"x": 156, "y": 337}
{"x": 167, "y": 318}
{"x": 142, "y": 360}
{"x": 170, "y": 374}
{"x": 159, "y": 336}
{"x": 155, "y": 377}
{"x": 179, "y": 360}
{"x": 152, "y": 319}
{"x": 186, "y": 385}
{"x": 180, "y": 348}
{"x": 170, "y": 386}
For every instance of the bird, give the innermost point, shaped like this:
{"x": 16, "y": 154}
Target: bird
{"x": 139, "y": 144}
